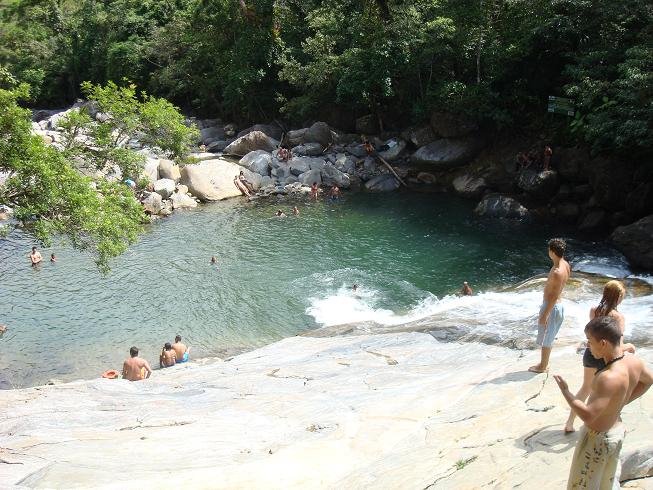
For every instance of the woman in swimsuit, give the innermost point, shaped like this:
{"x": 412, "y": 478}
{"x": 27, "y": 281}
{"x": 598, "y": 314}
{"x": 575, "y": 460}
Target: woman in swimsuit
{"x": 613, "y": 295}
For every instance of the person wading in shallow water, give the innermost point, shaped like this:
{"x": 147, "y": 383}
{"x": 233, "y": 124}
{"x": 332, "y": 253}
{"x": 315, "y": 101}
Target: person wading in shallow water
{"x": 551, "y": 313}
{"x": 466, "y": 290}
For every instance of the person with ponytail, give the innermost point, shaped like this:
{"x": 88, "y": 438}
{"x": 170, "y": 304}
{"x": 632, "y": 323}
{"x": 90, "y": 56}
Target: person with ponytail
{"x": 613, "y": 294}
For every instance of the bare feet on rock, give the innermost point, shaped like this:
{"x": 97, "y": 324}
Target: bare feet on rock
{"x": 538, "y": 369}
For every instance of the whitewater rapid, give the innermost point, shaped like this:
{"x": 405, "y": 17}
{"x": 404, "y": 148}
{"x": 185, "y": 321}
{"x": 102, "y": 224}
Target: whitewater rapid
{"x": 506, "y": 316}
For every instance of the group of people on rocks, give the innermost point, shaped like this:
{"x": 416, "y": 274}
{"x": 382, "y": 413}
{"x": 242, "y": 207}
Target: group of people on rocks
{"x": 136, "y": 368}
{"x": 613, "y": 376}
{"x": 535, "y": 158}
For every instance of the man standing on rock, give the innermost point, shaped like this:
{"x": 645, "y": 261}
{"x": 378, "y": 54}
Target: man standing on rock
{"x": 551, "y": 312}
{"x": 623, "y": 379}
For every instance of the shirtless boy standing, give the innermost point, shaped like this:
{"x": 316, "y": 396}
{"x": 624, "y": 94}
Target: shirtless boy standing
{"x": 623, "y": 379}
{"x": 132, "y": 368}
{"x": 35, "y": 256}
{"x": 551, "y": 313}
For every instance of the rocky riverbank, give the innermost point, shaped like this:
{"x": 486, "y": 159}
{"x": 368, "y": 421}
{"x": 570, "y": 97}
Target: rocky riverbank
{"x": 399, "y": 410}
{"x": 596, "y": 195}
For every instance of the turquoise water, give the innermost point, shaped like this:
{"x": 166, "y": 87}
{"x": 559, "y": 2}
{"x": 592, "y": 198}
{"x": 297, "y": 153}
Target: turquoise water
{"x": 275, "y": 277}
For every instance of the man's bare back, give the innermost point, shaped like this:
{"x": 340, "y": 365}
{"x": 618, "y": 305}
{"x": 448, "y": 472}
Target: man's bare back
{"x": 132, "y": 369}
{"x": 555, "y": 283}
{"x": 613, "y": 388}
{"x": 180, "y": 349}
{"x": 624, "y": 378}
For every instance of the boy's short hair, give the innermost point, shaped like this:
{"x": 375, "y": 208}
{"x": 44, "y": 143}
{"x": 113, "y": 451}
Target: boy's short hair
{"x": 177, "y": 338}
{"x": 604, "y": 328}
{"x": 133, "y": 351}
{"x": 558, "y": 246}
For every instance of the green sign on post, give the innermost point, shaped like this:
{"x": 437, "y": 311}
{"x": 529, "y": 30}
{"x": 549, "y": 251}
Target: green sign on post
{"x": 561, "y": 105}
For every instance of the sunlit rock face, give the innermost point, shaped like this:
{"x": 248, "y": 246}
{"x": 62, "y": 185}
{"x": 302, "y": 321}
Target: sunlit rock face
{"x": 399, "y": 410}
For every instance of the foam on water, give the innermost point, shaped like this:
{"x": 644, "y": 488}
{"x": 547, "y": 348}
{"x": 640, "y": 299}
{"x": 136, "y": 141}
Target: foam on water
{"x": 501, "y": 316}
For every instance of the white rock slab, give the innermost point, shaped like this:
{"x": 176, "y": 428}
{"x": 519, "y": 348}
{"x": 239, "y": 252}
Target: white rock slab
{"x": 211, "y": 180}
{"x": 386, "y": 411}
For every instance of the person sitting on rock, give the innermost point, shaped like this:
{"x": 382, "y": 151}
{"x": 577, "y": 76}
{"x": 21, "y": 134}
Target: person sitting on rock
{"x": 135, "y": 368}
{"x": 241, "y": 187}
{"x": 181, "y": 350}
{"x": 246, "y": 182}
{"x": 283, "y": 154}
{"x": 369, "y": 148}
{"x": 168, "y": 356}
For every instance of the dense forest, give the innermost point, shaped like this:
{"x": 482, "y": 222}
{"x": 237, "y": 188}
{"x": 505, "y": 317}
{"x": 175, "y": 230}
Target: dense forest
{"x": 496, "y": 61}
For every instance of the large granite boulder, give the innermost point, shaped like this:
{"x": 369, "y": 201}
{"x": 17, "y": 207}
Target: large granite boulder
{"x": 182, "y": 201}
{"x": 299, "y": 165}
{"x": 392, "y": 149}
{"x": 498, "y": 206}
{"x": 152, "y": 203}
{"x": 539, "y": 184}
{"x": 169, "y": 170}
{"x": 256, "y": 140}
{"x": 419, "y": 135}
{"x": 294, "y": 137}
{"x": 257, "y": 161}
{"x": 308, "y": 150}
{"x": 216, "y": 146}
{"x": 636, "y": 242}
{"x": 382, "y": 183}
{"x": 308, "y": 178}
{"x": 469, "y": 186}
{"x": 637, "y": 464}
{"x": 593, "y": 220}
{"x": 320, "y": 132}
{"x": 356, "y": 149}
{"x": 345, "y": 163}
{"x": 639, "y": 201}
{"x": 332, "y": 176}
{"x": 164, "y": 187}
{"x": 151, "y": 169}
{"x": 611, "y": 181}
{"x": 272, "y": 130}
{"x": 211, "y": 180}
{"x": 208, "y": 135}
{"x": 447, "y": 125}
{"x": 281, "y": 172}
{"x": 448, "y": 153}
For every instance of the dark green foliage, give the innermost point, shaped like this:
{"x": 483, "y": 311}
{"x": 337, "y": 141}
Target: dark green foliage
{"x": 496, "y": 61}
{"x": 51, "y": 198}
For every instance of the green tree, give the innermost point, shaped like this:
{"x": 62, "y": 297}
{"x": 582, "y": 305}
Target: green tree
{"x": 49, "y": 196}
{"x": 122, "y": 114}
